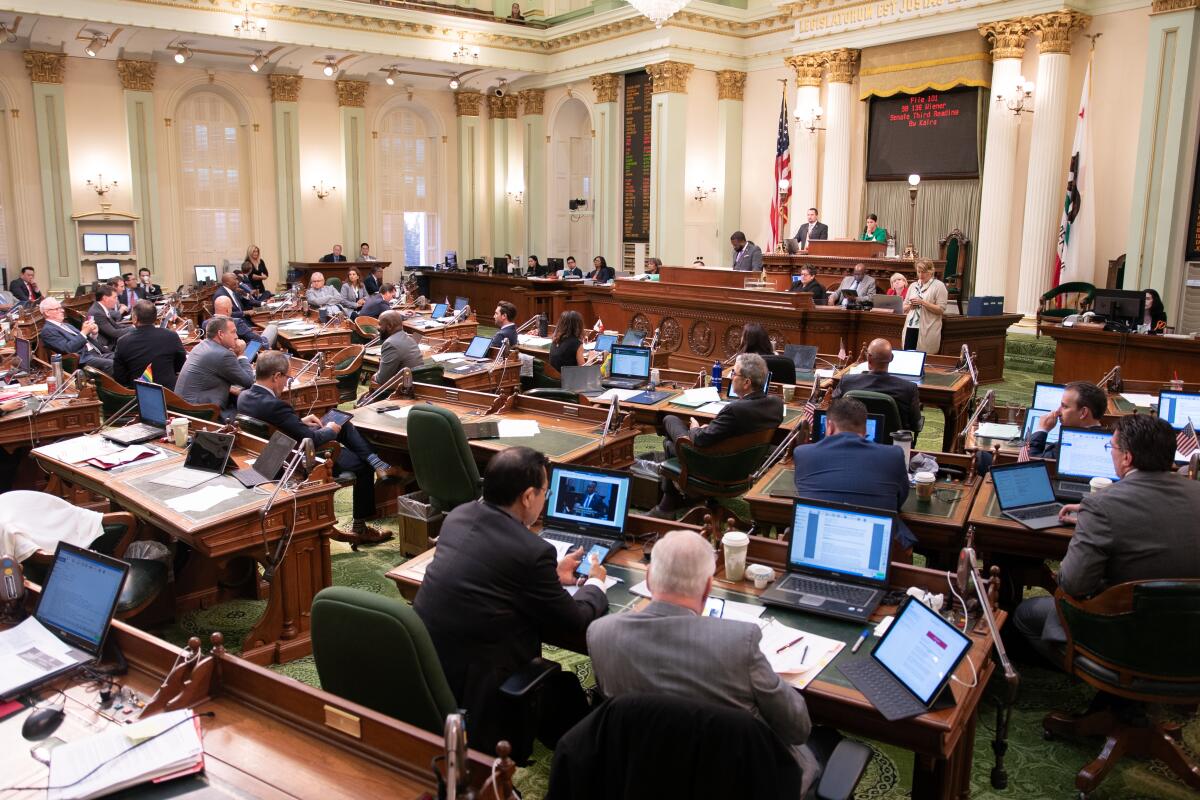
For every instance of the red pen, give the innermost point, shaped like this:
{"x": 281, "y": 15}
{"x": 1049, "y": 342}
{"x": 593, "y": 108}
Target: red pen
{"x": 797, "y": 640}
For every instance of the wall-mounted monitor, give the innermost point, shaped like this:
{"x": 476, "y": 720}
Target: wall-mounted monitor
{"x": 106, "y": 270}
{"x": 206, "y": 273}
{"x": 95, "y": 243}
{"x": 119, "y": 243}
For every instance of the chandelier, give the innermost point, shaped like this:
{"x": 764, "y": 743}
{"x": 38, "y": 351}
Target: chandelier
{"x": 464, "y": 53}
{"x": 658, "y": 11}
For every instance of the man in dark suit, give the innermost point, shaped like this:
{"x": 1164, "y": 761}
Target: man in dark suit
{"x": 747, "y": 256}
{"x": 148, "y": 344}
{"x": 128, "y": 293}
{"x": 378, "y": 303}
{"x": 811, "y": 230}
{"x": 592, "y": 503}
{"x": 223, "y": 307}
{"x": 877, "y": 379}
{"x": 25, "y": 288}
{"x": 373, "y": 282}
{"x": 216, "y": 369}
{"x": 146, "y": 289}
{"x": 262, "y": 401}
{"x": 1083, "y": 405}
{"x": 572, "y": 270}
{"x": 60, "y": 336}
{"x": 1143, "y": 527}
{"x": 846, "y": 467}
{"x": 229, "y": 288}
{"x": 752, "y": 411}
{"x": 103, "y": 312}
{"x": 335, "y": 256}
{"x": 505, "y": 317}
{"x": 494, "y": 590}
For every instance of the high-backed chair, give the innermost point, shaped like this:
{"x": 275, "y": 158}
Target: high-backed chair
{"x": 363, "y": 329}
{"x": 347, "y": 370}
{"x": 782, "y": 369}
{"x": 209, "y": 412}
{"x": 441, "y": 457}
{"x": 955, "y": 249}
{"x": 113, "y": 396}
{"x": 717, "y": 472}
{"x": 561, "y": 395}
{"x": 1134, "y": 641}
{"x": 884, "y": 404}
{"x": 335, "y": 282}
{"x": 1077, "y": 297}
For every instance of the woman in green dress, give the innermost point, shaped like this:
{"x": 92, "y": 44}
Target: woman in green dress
{"x": 872, "y": 231}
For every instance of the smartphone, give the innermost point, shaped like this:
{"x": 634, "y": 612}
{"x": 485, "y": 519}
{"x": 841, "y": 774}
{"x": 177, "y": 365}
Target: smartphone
{"x": 585, "y": 566}
{"x": 714, "y": 607}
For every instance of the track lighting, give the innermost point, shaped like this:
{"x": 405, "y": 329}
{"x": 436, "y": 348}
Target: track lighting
{"x": 391, "y": 77}
{"x": 95, "y": 45}
{"x": 8, "y": 32}
{"x": 182, "y": 54}
{"x": 258, "y": 63}
{"x": 329, "y": 68}
{"x": 454, "y": 84}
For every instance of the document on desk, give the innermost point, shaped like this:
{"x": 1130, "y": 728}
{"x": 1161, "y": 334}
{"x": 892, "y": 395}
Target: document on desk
{"x": 202, "y": 499}
{"x": 712, "y": 408}
{"x": 997, "y": 430}
{"x": 167, "y": 744}
{"x": 535, "y": 341}
{"x": 1140, "y": 399}
{"x": 79, "y": 449}
{"x": 399, "y": 413}
{"x": 694, "y": 398}
{"x": 128, "y": 455}
{"x": 802, "y": 661}
{"x": 622, "y": 394}
{"x": 518, "y": 428}
{"x": 442, "y": 357}
{"x": 30, "y": 653}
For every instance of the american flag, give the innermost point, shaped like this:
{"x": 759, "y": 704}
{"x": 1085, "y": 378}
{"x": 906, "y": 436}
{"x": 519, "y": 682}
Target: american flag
{"x": 808, "y": 413}
{"x": 783, "y": 171}
{"x": 1023, "y": 456}
{"x": 1186, "y": 441}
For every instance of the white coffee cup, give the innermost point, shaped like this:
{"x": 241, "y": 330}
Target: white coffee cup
{"x": 735, "y": 544}
{"x": 761, "y": 574}
{"x": 789, "y": 392}
{"x": 924, "y": 482}
{"x": 179, "y": 431}
{"x": 1097, "y": 483}
{"x": 655, "y": 376}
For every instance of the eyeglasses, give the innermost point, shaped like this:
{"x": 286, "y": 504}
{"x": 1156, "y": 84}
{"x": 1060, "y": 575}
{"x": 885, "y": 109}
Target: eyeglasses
{"x": 1109, "y": 447}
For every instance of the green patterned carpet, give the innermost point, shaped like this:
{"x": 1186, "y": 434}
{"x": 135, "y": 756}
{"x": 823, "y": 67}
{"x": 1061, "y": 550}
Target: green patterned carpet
{"x": 1036, "y": 768}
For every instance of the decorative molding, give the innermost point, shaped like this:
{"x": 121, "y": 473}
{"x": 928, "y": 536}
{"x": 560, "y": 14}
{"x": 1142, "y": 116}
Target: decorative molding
{"x": 731, "y": 84}
{"x": 669, "y": 77}
{"x": 285, "y": 88}
{"x": 136, "y": 76}
{"x": 1007, "y": 37}
{"x": 352, "y": 94}
{"x": 607, "y": 87}
{"x": 700, "y": 338}
{"x": 1055, "y": 29}
{"x": 1167, "y": 6}
{"x": 809, "y": 68}
{"x": 671, "y": 335}
{"x": 46, "y": 67}
{"x": 732, "y": 340}
{"x": 640, "y": 322}
{"x": 502, "y": 107}
{"x": 841, "y": 64}
{"x": 532, "y": 101}
{"x": 510, "y": 106}
{"x": 467, "y": 102}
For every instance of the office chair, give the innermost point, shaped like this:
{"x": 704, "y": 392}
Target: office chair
{"x": 782, "y": 369}
{"x": 441, "y": 457}
{"x": 884, "y": 404}
{"x": 347, "y": 370}
{"x": 113, "y": 396}
{"x": 720, "y": 471}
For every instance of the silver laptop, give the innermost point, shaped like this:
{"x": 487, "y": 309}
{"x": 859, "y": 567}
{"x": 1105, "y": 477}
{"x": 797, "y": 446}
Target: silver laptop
{"x": 266, "y": 467}
{"x": 1082, "y": 455}
{"x": 586, "y": 507}
{"x": 892, "y": 302}
{"x": 908, "y": 364}
{"x": 582, "y": 380}
{"x": 152, "y": 413}
{"x": 206, "y": 459}
{"x": 1024, "y": 494}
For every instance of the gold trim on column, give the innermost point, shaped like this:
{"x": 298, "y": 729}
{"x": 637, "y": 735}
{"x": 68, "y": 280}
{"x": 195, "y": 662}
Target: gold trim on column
{"x": 1167, "y": 6}
{"x": 351, "y": 94}
{"x": 137, "y": 76}
{"x": 510, "y": 106}
{"x": 606, "y": 87}
{"x": 731, "y": 84}
{"x": 45, "y": 67}
{"x": 1055, "y": 29}
{"x": 467, "y": 102}
{"x": 809, "y": 68}
{"x": 495, "y": 107}
{"x": 532, "y": 101}
{"x": 1007, "y": 37}
{"x": 285, "y": 88}
{"x": 841, "y": 64}
{"x": 669, "y": 76}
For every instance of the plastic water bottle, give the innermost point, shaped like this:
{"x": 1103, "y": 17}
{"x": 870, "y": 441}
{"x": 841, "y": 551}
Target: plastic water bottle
{"x": 56, "y": 368}
{"x": 716, "y": 375}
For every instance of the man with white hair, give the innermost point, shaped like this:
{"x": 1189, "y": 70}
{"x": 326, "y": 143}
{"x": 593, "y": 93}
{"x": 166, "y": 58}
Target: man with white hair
{"x": 60, "y": 336}
{"x": 223, "y": 307}
{"x": 671, "y": 648}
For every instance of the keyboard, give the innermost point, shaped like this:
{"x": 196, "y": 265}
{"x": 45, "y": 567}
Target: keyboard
{"x": 132, "y": 434}
{"x": 1035, "y": 512}
{"x": 852, "y": 595}
{"x": 575, "y": 540}
{"x": 886, "y": 693}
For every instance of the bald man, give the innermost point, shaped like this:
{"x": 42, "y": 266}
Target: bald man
{"x": 877, "y": 379}
{"x": 223, "y": 307}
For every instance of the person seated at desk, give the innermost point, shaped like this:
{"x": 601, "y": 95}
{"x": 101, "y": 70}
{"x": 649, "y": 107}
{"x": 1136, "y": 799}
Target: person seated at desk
{"x": 1142, "y": 527}
{"x": 809, "y": 283}
{"x": 364, "y": 253}
{"x": 601, "y": 271}
{"x": 1083, "y": 405}
{"x": 533, "y": 267}
{"x": 376, "y": 304}
{"x": 747, "y": 256}
{"x": 670, "y": 648}
{"x": 148, "y": 347}
{"x": 354, "y": 291}
{"x": 871, "y": 230}
{"x": 127, "y": 295}
{"x": 398, "y": 350}
{"x": 846, "y": 467}
{"x": 493, "y": 591}
{"x": 262, "y": 401}
{"x": 216, "y": 370}
{"x": 505, "y": 317}
{"x": 373, "y": 279}
{"x": 897, "y": 285}
{"x": 25, "y": 288}
{"x": 755, "y": 339}
{"x": 858, "y": 281}
{"x": 103, "y": 312}
{"x": 325, "y": 298}
{"x": 752, "y": 411}
{"x": 876, "y": 379}
{"x": 566, "y": 348}
{"x": 572, "y": 270}
{"x": 231, "y": 288}
{"x": 1155, "y": 317}
{"x": 146, "y": 289}
{"x": 60, "y": 336}
{"x": 334, "y": 257}
{"x": 223, "y": 307}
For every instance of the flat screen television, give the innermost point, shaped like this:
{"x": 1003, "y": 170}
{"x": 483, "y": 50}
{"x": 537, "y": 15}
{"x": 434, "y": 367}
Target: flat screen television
{"x": 118, "y": 243}
{"x": 106, "y": 270}
{"x": 95, "y": 243}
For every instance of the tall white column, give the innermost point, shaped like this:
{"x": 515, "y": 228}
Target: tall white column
{"x": 805, "y": 144}
{"x": 668, "y": 153}
{"x": 994, "y": 247}
{"x": 47, "y": 71}
{"x": 352, "y": 100}
{"x": 835, "y": 171}
{"x": 285, "y": 113}
{"x": 606, "y": 167}
{"x": 1046, "y": 180}
{"x": 731, "y": 86}
{"x": 533, "y": 128}
{"x": 470, "y": 173}
{"x": 137, "y": 79}
{"x": 499, "y": 114}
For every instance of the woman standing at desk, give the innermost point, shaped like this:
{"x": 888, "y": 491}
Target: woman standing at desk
{"x": 872, "y": 231}
{"x": 255, "y": 270}
{"x": 353, "y": 290}
{"x": 1155, "y": 318}
{"x": 924, "y": 304}
{"x": 566, "y": 348}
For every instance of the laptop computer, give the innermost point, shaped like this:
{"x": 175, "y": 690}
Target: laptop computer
{"x": 582, "y": 380}
{"x": 76, "y": 606}
{"x": 605, "y": 341}
{"x": 1024, "y": 494}
{"x": 1033, "y": 417}
{"x": 804, "y": 356}
{"x": 23, "y": 353}
{"x": 633, "y": 337}
{"x": 908, "y": 364}
{"x": 476, "y": 355}
{"x": 266, "y": 467}
{"x": 630, "y": 367}
{"x": 586, "y": 507}
{"x": 732, "y": 394}
{"x": 911, "y": 663}
{"x": 838, "y": 560}
{"x": 892, "y": 302}
{"x": 1082, "y": 455}
{"x": 1047, "y": 396}
{"x": 206, "y": 459}
{"x": 152, "y": 413}
{"x": 874, "y": 427}
{"x": 1177, "y": 408}
{"x": 460, "y": 303}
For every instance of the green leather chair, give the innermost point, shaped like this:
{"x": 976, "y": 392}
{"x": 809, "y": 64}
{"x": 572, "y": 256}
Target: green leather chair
{"x": 209, "y": 412}
{"x": 717, "y": 472}
{"x": 1083, "y": 294}
{"x": 113, "y": 396}
{"x": 347, "y": 370}
{"x": 955, "y": 249}
{"x": 886, "y": 406}
{"x": 363, "y": 329}
{"x": 1134, "y": 641}
{"x": 334, "y": 282}
{"x": 253, "y": 426}
{"x": 441, "y": 458}
{"x": 431, "y": 374}
{"x": 561, "y": 395}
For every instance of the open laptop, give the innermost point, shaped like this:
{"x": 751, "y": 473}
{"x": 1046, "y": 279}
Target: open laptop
{"x": 891, "y": 302}
{"x": 582, "y": 380}
{"x": 1033, "y": 417}
{"x": 874, "y": 427}
{"x": 838, "y": 560}
{"x": 476, "y": 355}
{"x": 76, "y": 606}
{"x": 1177, "y": 408}
{"x": 266, "y": 467}
{"x": 804, "y": 356}
{"x": 152, "y": 413}
{"x": 1047, "y": 396}
{"x": 577, "y": 517}
{"x": 1024, "y": 494}
{"x": 630, "y": 367}
{"x": 22, "y": 351}
{"x": 911, "y": 663}
{"x": 460, "y": 303}
{"x": 1082, "y": 455}
{"x": 605, "y": 341}
{"x": 633, "y": 337}
{"x": 908, "y": 364}
{"x": 206, "y": 459}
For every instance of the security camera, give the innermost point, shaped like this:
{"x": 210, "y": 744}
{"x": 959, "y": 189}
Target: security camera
{"x": 497, "y": 91}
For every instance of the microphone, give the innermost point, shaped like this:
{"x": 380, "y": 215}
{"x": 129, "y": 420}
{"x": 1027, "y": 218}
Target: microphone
{"x": 302, "y": 453}
{"x": 654, "y": 340}
{"x": 455, "y": 734}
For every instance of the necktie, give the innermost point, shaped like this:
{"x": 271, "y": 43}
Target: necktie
{"x": 587, "y": 503}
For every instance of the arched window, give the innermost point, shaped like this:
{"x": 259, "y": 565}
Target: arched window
{"x": 212, "y": 180}
{"x": 408, "y": 203}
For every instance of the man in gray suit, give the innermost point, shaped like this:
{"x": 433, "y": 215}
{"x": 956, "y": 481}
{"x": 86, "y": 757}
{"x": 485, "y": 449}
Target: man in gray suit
{"x": 1143, "y": 527}
{"x": 669, "y": 648}
{"x": 859, "y": 281}
{"x": 216, "y": 369}
{"x": 107, "y": 318}
{"x": 399, "y": 350}
{"x": 747, "y": 256}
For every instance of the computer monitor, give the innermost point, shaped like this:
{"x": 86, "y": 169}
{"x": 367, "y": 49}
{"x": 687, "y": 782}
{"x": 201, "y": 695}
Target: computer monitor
{"x": 874, "y": 426}
{"x": 1032, "y": 417}
{"x": 605, "y": 341}
{"x": 478, "y": 347}
{"x": 907, "y": 362}
{"x": 21, "y": 347}
{"x": 152, "y": 403}
{"x": 1047, "y": 396}
{"x": 555, "y": 264}
{"x": 565, "y": 507}
{"x": 500, "y": 266}
{"x": 1177, "y": 408}
{"x": 451, "y": 261}
{"x": 460, "y": 303}
{"x": 841, "y": 540}
{"x": 95, "y": 243}
{"x": 205, "y": 273}
{"x": 629, "y": 361}
{"x": 633, "y": 336}
{"x": 119, "y": 243}
{"x": 107, "y": 270}
{"x": 1120, "y": 305}
{"x": 1083, "y": 454}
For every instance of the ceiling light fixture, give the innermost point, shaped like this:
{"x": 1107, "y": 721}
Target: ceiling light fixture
{"x": 258, "y": 63}
{"x": 330, "y": 67}
{"x": 245, "y": 26}
{"x": 182, "y": 53}
{"x": 454, "y": 84}
{"x": 658, "y": 11}
{"x": 463, "y": 52}
{"x": 391, "y": 76}
{"x": 97, "y": 44}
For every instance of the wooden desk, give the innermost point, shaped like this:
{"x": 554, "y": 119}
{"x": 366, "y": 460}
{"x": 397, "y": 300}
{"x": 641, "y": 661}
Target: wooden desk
{"x": 848, "y": 248}
{"x": 21, "y": 430}
{"x": 832, "y": 268}
{"x": 332, "y": 269}
{"x": 196, "y": 305}
{"x": 484, "y": 377}
{"x": 1086, "y": 354}
{"x": 311, "y": 393}
{"x": 997, "y": 534}
{"x": 314, "y": 337}
{"x": 463, "y": 331}
{"x": 230, "y": 530}
{"x": 484, "y": 291}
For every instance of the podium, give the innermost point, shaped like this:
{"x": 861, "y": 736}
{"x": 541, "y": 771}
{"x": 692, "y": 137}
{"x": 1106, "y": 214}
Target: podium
{"x": 847, "y": 248}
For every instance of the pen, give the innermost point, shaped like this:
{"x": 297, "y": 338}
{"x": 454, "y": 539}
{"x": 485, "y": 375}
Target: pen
{"x": 862, "y": 637}
{"x": 804, "y": 655}
{"x": 797, "y": 640}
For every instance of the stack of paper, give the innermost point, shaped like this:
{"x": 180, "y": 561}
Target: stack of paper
{"x": 79, "y": 449}
{"x": 997, "y": 430}
{"x": 130, "y": 454}
{"x": 694, "y": 398}
{"x": 442, "y": 357}
{"x": 712, "y": 408}
{"x": 1140, "y": 399}
{"x": 399, "y": 413}
{"x": 800, "y": 661}
{"x": 533, "y": 341}
{"x": 517, "y": 428}
{"x": 623, "y": 394}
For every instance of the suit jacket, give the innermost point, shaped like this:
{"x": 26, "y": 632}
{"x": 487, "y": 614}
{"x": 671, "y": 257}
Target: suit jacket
{"x": 149, "y": 291}
{"x": 330, "y": 258}
{"x": 1142, "y": 527}
{"x": 260, "y": 403}
{"x": 866, "y": 287}
{"x": 158, "y": 347}
{"x": 806, "y": 232}
{"x": 21, "y": 291}
{"x": 754, "y": 412}
{"x": 509, "y": 333}
{"x": 110, "y": 330}
{"x": 668, "y": 649}
{"x": 748, "y": 259}
{"x": 371, "y": 284}
{"x": 127, "y": 297}
{"x": 208, "y": 373}
{"x": 598, "y": 506}
{"x": 490, "y": 597}
{"x": 67, "y": 339}
{"x": 240, "y": 303}
{"x": 374, "y": 306}
{"x": 398, "y": 351}
{"x": 603, "y": 274}
{"x": 569, "y": 272}
{"x": 847, "y": 468}
{"x": 906, "y": 393}
{"x": 814, "y": 287}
